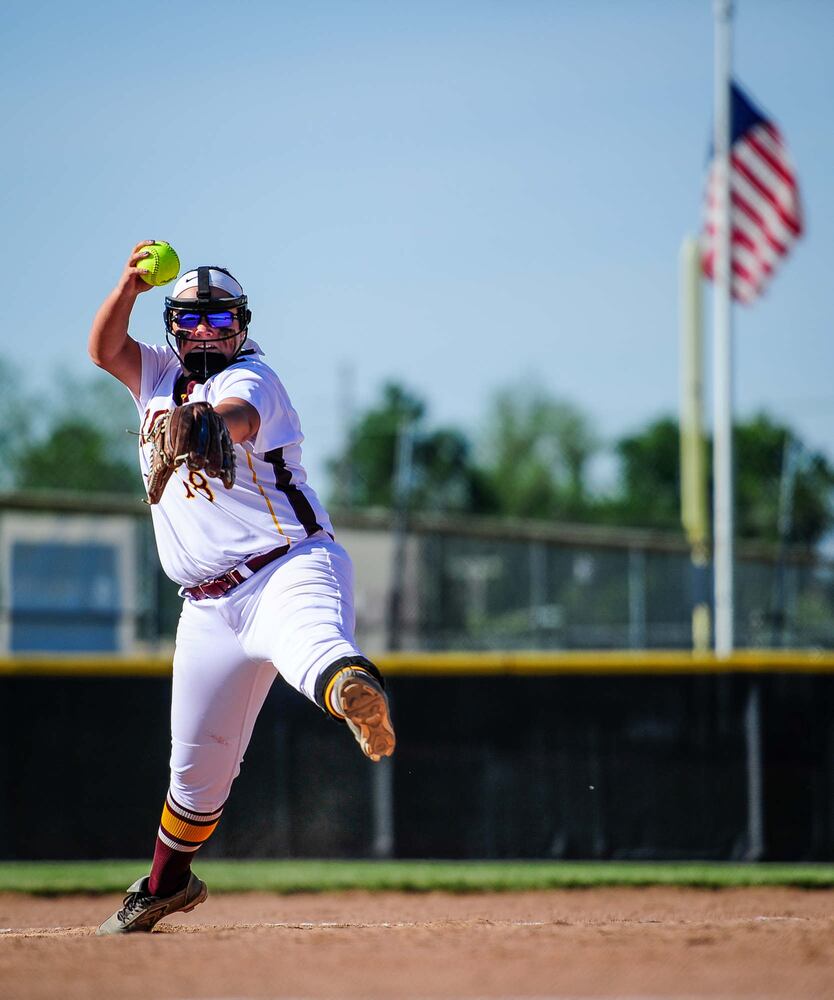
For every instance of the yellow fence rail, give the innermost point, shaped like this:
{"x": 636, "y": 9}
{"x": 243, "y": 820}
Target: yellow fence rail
{"x": 474, "y": 664}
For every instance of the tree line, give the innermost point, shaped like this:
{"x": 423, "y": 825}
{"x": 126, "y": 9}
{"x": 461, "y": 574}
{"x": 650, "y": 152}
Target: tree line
{"x": 532, "y": 457}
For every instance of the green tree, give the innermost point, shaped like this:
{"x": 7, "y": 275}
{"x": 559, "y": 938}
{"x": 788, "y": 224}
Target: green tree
{"x": 760, "y": 448}
{"x": 83, "y": 444}
{"x": 649, "y": 494}
{"x": 75, "y": 456}
{"x": 536, "y": 452}
{"x": 363, "y": 473}
{"x": 443, "y": 476}
{"x": 17, "y": 425}
{"x": 534, "y": 459}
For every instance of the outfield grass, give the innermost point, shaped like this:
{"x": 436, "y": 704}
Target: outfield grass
{"x": 58, "y": 877}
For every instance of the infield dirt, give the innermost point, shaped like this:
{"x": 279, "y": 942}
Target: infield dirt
{"x": 604, "y": 943}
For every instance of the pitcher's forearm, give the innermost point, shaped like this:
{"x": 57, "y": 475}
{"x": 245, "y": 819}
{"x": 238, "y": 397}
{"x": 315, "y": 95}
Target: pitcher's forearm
{"x": 108, "y": 335}
{"x": 242, "y": 419}
{"x": 110, "y": 346}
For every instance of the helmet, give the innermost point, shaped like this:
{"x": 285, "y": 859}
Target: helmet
{"x": 200, "y": 361}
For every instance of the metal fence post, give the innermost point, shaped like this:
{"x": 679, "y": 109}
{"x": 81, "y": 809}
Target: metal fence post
{"x": 755, "y": 787}
{"x": 637, "y": 599}
{"x": 538, "y": 589}
{"x": 382, "y": 808}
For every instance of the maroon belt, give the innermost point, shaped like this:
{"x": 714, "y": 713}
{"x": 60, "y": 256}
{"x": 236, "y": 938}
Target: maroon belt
{"x": 222, "y": 584}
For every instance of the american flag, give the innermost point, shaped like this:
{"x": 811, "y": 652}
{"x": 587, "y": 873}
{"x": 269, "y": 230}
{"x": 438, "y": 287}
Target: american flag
{"x": 765, "y": 215}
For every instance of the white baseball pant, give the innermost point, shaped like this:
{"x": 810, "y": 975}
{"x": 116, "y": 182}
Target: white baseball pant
{"x": 294, "y": 617}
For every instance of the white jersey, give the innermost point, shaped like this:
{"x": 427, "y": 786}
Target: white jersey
{"x": 202, "y": 529}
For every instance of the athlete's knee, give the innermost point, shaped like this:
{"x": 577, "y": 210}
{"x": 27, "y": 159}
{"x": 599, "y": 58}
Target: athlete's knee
{"x": 325, "y": 679}
{"x": 199, "y": 798}
{"x": 201, "y": 782}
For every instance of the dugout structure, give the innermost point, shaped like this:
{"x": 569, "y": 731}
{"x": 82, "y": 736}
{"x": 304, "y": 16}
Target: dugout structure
{"x": 649, "y": 755}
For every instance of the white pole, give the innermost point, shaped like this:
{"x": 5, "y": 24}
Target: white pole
{"x": 723, "y": 341}
{"x": 723, "y": 453}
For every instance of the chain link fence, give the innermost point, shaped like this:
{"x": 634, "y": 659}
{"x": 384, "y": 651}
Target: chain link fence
{"x": 635, "y": 591}
{"x": 466, "y": 584}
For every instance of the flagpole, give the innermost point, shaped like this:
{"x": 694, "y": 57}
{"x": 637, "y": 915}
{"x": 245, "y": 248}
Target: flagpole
{"x": 723, "y": 341}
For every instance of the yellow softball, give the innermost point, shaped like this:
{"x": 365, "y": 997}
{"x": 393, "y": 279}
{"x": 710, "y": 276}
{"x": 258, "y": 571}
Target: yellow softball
{"x": 162, "y": 265}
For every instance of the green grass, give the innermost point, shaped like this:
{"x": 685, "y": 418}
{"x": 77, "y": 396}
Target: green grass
{"x": 58, "y": 877}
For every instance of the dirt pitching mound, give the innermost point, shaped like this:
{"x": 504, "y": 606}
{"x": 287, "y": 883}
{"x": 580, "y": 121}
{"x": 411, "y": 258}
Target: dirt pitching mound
{"x": 624, "y": 943}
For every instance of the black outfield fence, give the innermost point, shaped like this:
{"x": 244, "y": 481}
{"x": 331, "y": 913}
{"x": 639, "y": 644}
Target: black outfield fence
{"x": 501, "y": 755}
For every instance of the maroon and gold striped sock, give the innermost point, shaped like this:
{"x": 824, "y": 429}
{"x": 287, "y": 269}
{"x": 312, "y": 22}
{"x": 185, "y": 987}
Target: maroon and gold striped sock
{"x": 181, "y": 833}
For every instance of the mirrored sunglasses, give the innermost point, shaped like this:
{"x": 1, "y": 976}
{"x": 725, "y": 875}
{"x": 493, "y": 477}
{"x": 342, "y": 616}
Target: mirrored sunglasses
{"x": 191, "y": 320}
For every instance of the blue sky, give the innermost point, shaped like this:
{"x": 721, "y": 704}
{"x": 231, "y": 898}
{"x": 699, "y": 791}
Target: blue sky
{"x": 460, "y": 196}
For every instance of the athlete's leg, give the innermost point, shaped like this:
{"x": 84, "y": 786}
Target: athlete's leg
{"x": 299, "y": 613}
{"x": 217, "y": 693}
{"x": 301, "y": 616}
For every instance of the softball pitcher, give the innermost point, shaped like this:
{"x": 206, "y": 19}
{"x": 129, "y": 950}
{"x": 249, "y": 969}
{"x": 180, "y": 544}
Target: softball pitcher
{"x": 266, "y": 589}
